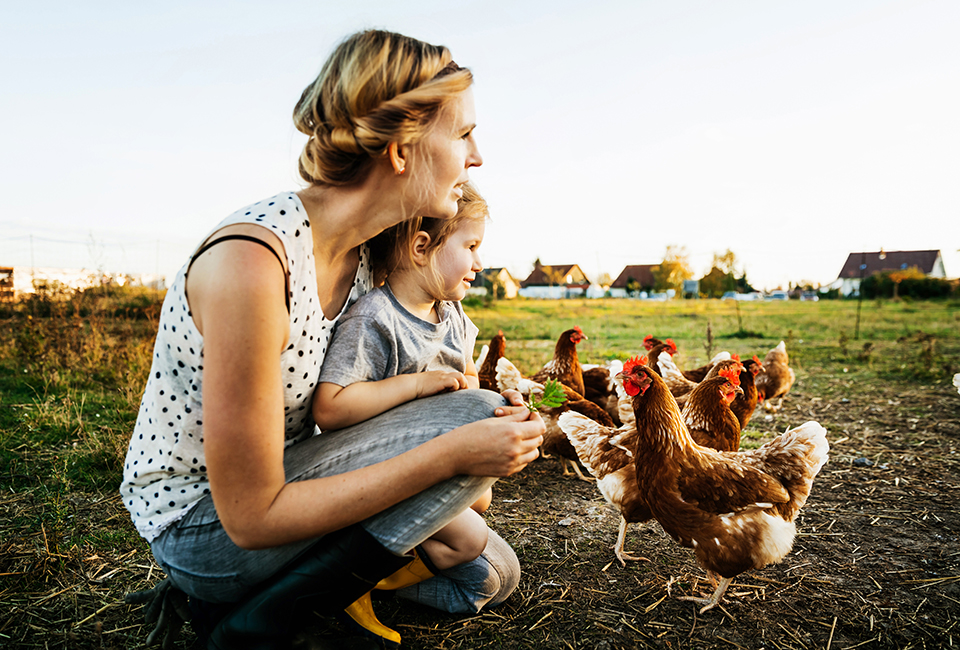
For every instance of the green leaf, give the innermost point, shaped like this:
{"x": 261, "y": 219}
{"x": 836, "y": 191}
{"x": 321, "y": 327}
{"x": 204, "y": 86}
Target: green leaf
{"x": 553, "y": 396}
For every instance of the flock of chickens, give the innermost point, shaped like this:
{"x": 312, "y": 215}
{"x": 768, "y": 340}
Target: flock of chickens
{"x": 662, "y": 443}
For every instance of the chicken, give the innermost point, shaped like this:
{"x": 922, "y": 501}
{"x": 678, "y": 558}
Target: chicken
{"x": 744, "y": 405}
{"x": 554, "y": 440}
{"x": 956, "y": 381}
{"x": 565, "y": 366}
{"x": 680, "y": 386}
{"x": 698, "y": 374}
{"x": 776, "y": 378}
{"x": 657, "y": 350}
{"x": 649, "y": 342}
{"x": 608, "y": 454}
{"x": 735, "y": 509}
{"x": 707, "y": 413}
{"x": 600, "y": 388}
{"x": 487, "y": 362}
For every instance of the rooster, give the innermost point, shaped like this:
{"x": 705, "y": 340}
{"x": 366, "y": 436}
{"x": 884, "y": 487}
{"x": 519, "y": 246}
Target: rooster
{"x": 776, "y": 378}
{"x": 554, "y": 440}
{"x": 608, "y": 454}
{"x": 744, "y": 405}
{"x": 735, "y": 509}
{"x": 698, "y": 374}
{"x": 707, "y": 414}
{"x": 487, "y": 361}
{"x": 565, "y": 366}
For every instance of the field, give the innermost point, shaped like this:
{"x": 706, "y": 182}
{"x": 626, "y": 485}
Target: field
{"x": 876, "y": 563}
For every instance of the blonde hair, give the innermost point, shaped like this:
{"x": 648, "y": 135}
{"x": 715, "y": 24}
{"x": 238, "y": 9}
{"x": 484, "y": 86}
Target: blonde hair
{"x": 392, "y": 249}
{"x": 377, "y": 87}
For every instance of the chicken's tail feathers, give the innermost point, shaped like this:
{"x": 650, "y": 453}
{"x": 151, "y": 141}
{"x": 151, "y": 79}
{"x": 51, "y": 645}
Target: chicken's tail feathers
{"x": 720, "y": 356}
{"x": 669, "y": 369}
{"x": 508, "y": 376}
{"x": 484, "y": 351}
{"x": 813, "y": 435}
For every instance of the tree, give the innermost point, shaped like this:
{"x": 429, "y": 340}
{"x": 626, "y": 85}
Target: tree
{"x": 715, "y": 283}
{"x": 674, "y": 269}
{"x": 604, "y": 280}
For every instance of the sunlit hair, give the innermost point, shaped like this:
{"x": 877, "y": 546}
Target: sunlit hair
{"x": 376, "y": 88}
{"x": 392, "y": 249}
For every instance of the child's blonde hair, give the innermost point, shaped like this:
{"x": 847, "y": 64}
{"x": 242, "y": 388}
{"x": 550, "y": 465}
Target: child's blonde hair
{"x": 393, "y": 248}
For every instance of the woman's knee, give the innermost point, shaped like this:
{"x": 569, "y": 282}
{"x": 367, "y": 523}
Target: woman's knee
{"x": 465, "y": 406}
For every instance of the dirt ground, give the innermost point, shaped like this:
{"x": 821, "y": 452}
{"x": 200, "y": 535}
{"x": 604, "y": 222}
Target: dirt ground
{"x": 876, "y": 563}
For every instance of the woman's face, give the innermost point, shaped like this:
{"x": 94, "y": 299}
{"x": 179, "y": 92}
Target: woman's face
{"x": 448, "y": 152}
{"x": 458, "y": 260}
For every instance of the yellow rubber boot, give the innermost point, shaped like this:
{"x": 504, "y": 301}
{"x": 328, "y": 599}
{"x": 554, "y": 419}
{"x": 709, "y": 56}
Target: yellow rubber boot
{"x": 361, "y": 610}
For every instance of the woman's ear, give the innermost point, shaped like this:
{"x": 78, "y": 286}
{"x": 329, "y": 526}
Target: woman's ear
{"x": 421, "y": 243}
{"x": 397, "y": 158}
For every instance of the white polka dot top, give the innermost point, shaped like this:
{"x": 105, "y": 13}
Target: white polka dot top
{"x": 165, "y": 474}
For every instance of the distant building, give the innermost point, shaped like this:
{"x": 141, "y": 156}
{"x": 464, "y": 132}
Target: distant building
{"x": 493, "y": 277}
{"x": 16, "y": 281}
{"x": 557, "y": 281}
{"x": 928, "y": 262}
{"x": 637, "y": 277}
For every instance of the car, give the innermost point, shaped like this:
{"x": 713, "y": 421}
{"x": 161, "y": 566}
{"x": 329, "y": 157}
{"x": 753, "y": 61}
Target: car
{"x": 730, "y": 295}
{"x": 778, "y": 295}
{"x": 810, "y": 295}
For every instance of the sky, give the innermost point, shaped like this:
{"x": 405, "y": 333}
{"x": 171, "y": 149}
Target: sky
{"x": 791, "y": 133}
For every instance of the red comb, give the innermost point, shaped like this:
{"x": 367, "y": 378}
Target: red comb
{"x": 630, "y": 364}
{"x": 735, "y": 357}
{"x": 673, "y": 346}
{"x": 577, "y": 328}
{"x": 731, "y": 374}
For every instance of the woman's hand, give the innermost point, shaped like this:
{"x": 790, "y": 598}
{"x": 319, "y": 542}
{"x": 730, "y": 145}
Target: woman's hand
{"x": 498, "y": 446}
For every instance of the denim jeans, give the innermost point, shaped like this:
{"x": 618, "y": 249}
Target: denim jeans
{"x": 200, "y": 558}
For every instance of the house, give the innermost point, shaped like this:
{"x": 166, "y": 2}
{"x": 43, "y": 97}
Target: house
{"x": 494, "y": 277}
{"x": 864, "y": 264}
{"x": 18, "y": 281}
{"x": 557, "y": 281}
{"x": 636, "y": 277}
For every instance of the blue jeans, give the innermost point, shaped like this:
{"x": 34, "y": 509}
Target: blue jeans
{"x": 200, "y": 558}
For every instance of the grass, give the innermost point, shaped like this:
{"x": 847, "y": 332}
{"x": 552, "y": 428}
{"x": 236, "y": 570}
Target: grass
{"x": 72, "y": 368}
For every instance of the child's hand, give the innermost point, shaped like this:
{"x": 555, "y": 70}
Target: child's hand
{"x": 439, "y": 381}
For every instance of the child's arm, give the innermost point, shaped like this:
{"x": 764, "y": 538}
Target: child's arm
{"x": 473, "y": 377}
{"x": 336, "y": 407}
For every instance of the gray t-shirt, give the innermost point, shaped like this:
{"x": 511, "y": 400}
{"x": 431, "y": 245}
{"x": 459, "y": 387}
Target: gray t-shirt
{"x": 378, "y": 338}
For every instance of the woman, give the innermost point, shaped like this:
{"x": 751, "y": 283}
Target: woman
{"x": 239, "y": 501}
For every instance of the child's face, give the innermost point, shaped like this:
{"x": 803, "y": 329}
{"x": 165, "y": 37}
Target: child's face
{"x": 458, "y": 261}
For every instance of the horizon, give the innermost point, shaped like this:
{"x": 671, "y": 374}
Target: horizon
{"x": 792, "y": 134}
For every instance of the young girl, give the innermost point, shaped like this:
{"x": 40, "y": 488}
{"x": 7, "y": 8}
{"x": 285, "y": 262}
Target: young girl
{"x": 410, "y": 338}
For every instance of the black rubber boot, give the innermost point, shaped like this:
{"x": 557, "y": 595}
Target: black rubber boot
{"x": 340, "y": 568}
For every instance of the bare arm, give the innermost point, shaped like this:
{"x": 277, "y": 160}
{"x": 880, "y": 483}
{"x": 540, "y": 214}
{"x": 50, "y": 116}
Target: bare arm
{"x": 336, "y": 407}
{"x": 236, "y": 292}
{"x": 473, "y": 377}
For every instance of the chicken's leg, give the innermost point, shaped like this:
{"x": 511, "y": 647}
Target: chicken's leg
{"x": 566, "y": 462}
{"x": 621, "y": 554}
{"x": 712, "y": 601}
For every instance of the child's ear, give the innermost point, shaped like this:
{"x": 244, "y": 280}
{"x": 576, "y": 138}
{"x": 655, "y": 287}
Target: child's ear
{"x": 421, "y": 242}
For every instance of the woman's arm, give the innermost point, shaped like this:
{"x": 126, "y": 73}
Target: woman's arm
{"x": 236, "y": 292}
{"x": 336, "y": 407}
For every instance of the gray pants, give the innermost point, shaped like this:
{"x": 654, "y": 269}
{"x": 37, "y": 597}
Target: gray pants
{"x": 200, "y": 558}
